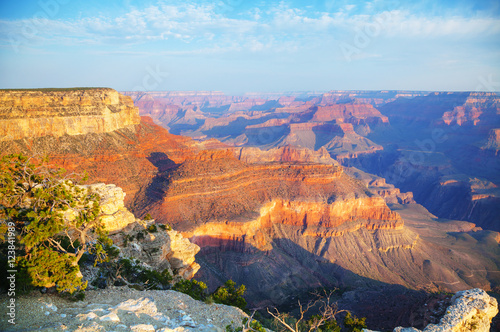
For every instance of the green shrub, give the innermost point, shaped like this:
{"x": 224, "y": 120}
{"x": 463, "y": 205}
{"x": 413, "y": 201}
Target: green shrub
{"x": 354, "y": 324}
{"x": 154, "y": 279}
{"x": 112, "y": 251}
{"x": 148, "y": 217}
{"x": 230, "y": 295}
{"x": 195, "y": 289}
{"x": 152, "y": 228}
{"x": 165, "y": 227}
{"x": 254, "y": 325}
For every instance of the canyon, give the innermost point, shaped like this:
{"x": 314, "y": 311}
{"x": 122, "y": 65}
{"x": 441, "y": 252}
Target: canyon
{"x": 441, "y": 146}
{"x": 277, "y": 193}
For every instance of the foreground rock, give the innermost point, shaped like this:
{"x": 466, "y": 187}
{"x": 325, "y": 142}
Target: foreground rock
{"x": 155, "y": 247}
{"x": 471, "y": 310}
{"x": 121, "y": 309}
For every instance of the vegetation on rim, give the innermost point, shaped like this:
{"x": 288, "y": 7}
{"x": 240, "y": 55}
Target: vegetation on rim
{"x": 53, "y": 220}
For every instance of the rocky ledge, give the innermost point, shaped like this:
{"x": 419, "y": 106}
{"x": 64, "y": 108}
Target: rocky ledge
{"x": 470, "y": 310}
{"x": 59, "y": 112}
{"x": 121, "y": 309}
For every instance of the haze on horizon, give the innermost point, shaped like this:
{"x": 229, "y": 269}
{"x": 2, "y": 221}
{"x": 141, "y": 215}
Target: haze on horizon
{"x": 238, "y": 46}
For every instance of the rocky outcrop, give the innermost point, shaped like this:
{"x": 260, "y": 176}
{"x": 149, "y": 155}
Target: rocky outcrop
{"x": 378, "y": 185}
{"x": 479, "y": 106}
{"x": 37, "y": 113}
{"x": 158, "y": 248}
{"x": 121, "y": 308}
{"x": 470, "y": 310}
{"x": 114, "y": 215}
{"x": 284, "y": 154}
{"x": 493, "y": 141}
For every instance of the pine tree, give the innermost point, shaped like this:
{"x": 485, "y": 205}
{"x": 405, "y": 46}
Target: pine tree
{"x": 55, "y": 221}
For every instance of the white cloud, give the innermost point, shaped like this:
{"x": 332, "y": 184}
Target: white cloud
{"x": 203, "y": 27}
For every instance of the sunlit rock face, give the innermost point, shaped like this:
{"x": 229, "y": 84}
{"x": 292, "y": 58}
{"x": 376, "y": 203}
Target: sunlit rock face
{"x": 94, "y": 130}
{"x": 284, "y": 227}
{"x": 160, "y": 249}
{"x": 35, "y": 113}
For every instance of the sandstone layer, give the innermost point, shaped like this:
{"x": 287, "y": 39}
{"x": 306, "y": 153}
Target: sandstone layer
{"x": 281, "y": 228}
{"x": 131, "y": 157}
{"x": 56, "y": 113}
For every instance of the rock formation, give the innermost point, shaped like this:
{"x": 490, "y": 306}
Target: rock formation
{"x": 281, "y": 227}
{"x": 37, "y": 113}
{"x": 280, "y": 221}
{"x": 114, "y": 215}
{"x": 159, "y": 249}
{"x": 470, "y": 310}
{"x": 130, "y": 157}
{"x": 122, "y": 308}
{"x": 242, "y": 121}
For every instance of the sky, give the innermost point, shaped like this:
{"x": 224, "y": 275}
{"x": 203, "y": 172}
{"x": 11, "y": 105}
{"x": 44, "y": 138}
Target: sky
{"x": 239, "y": 46}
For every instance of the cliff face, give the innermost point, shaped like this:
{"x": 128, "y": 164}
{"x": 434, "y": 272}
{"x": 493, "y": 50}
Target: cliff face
{"x": 279, "y": 221}
{"x": 35, "y": 113}
{"x": 131, "y": 157}
{"x": 478, "y": 107}
{"x": 493, "y": 141}
{"x": 285, "y": 227}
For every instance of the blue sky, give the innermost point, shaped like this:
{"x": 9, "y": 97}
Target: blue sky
{"x": 240, "y": 46}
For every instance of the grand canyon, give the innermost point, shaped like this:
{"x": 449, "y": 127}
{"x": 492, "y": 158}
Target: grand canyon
{"x": 389, "y": 196}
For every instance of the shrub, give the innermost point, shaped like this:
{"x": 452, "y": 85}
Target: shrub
{"x": 354, "y": 324}
{"x": 230, "y": 295}
{"x": 152, "y": 228}
{"x": 195, "y": 289}
{"x": 253, "y": 325}
{"x": 165, "y": 227}
{"x": 148, "y": 217}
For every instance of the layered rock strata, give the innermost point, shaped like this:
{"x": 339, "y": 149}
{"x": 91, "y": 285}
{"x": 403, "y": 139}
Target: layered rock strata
{"x": 281, "y": 228}
{"x": 35, "y": 113}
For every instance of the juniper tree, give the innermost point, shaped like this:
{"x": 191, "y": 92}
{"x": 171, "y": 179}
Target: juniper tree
{"x": 55, "y": 221}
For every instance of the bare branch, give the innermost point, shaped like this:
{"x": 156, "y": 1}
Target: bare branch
{"x": 280, "y": 319}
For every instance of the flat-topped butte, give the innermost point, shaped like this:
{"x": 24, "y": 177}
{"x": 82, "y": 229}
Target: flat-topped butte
{"x": 58, "y": 112}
